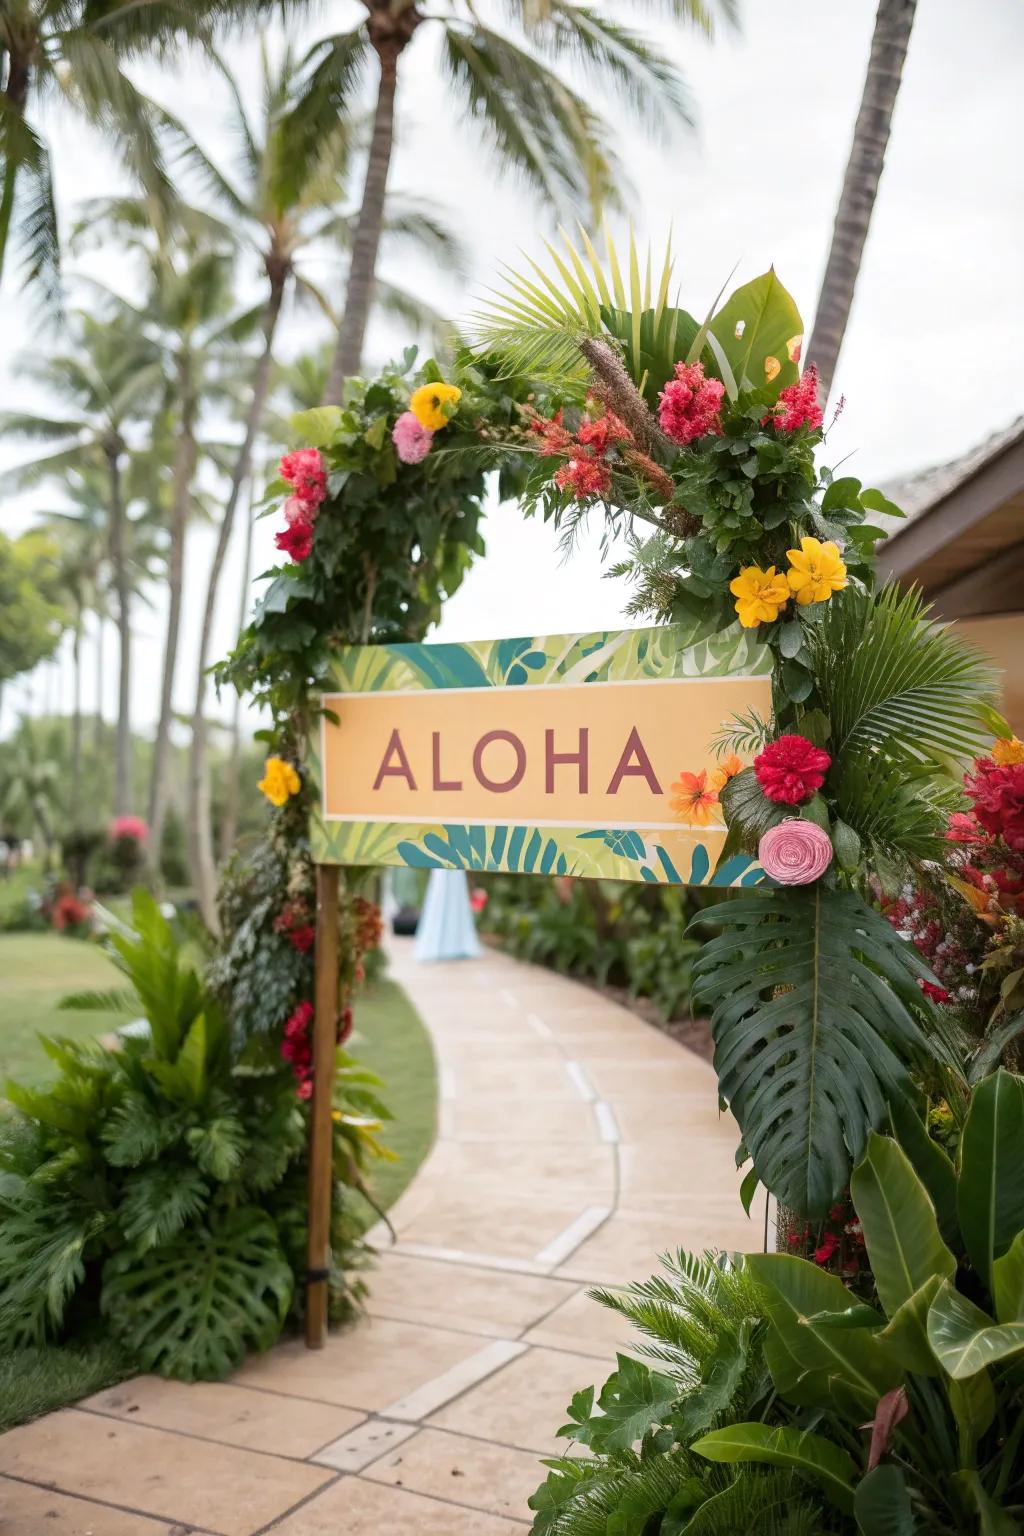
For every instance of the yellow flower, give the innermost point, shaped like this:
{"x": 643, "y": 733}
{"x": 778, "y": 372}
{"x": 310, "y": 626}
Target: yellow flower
{"x": 280, "y": 781}
{"x": 816, "y": 571}
{"x": 1008, "y": 750}
{"x": 759, "y": 595}
{"x": 432, "y": 404}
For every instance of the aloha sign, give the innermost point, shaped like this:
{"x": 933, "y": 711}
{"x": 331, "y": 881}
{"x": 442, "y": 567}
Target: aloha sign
{"x": 587, "y": 755}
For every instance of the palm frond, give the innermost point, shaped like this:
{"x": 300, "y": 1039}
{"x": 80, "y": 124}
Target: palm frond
{"x": 815, "y": 1009}
{"x": 420, "y": 225}
{"x": 98, "y": 85}
{"x": 610, "y": 53}
{"x": 539, "y": 128}
{"x": 190, "y": 156}
{"x": 899, "y": 809}
{"x": 326, "y": 86}
{"x": 891, "y": 679}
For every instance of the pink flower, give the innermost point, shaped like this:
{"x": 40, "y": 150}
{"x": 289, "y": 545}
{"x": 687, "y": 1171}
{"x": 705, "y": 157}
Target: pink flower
{"x": 296, "y": 540}
{"x": 305, "y": 473}
{"x": 584, "y": 476}
{"x": 791, "y": 769}
{"x": 412, "y": 441}
{"x": 795, "y": 852}
{"x": 298, "y": 511}
{"x": 691, "y": 405}
{"x": 478, "y": 899}
{"x": 129, "y": 826}
{"x": 797, "y": 406}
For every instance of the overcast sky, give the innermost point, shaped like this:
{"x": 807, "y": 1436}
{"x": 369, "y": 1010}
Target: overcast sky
{"x": 931, "y": 363}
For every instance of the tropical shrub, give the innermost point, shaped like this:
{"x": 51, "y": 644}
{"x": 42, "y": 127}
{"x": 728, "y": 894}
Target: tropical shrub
{"x": 159, "y": 1185}
{"x": 621, "y": 933}
{"x": 767, "y": 1360}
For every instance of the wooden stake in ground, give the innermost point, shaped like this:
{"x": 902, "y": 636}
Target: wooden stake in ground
{"x": 321, "y": 1137}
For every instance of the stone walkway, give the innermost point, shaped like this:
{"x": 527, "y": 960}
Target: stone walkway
{"x": 576, "y": 1143}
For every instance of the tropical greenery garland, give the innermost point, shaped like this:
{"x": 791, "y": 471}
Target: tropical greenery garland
{"x": 862, "y": 1081}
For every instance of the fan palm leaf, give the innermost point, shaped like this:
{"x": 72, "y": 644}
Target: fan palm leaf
{"x": 892, "y": 680}
{"x": 814, "y": 1005}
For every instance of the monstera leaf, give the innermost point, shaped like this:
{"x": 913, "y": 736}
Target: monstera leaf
{"x": 812, "y": 999}
{"x": 192, "y": 1308}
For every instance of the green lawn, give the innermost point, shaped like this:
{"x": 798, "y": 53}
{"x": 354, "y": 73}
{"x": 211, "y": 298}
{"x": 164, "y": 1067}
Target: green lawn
{"x": 390, "y": 1039}
{"x": 36, "y": 971}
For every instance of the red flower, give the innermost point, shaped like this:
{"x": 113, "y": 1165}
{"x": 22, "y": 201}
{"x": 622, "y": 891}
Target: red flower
{"x": 345, "y": 1025}
{"x": 296, "y": 540}
{"x": 963, "y": 829}
{"x": 600, "y": 434}
{"x": 997, "y": 790}
{"x": 584, "y": 476}
{"x": 554, "y": 437}
{"x": 690, "y": 405}
{"x": 305, "y": 473}
{"x": 478, "y": 899}
{"x": 791, "y": 769}
{"x": 933, "y": 993}
{"x": 827, "y": 1247}
{"x": 798, "y": 405}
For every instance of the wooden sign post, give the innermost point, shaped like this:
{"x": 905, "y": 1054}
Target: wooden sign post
{"x": 573, "y": 755}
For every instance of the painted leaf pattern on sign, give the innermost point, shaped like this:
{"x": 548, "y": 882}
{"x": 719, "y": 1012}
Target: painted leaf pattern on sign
{"x": 676, "y": 857}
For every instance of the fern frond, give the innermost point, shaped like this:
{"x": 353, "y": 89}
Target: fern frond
{"x": 157, "y": 1202}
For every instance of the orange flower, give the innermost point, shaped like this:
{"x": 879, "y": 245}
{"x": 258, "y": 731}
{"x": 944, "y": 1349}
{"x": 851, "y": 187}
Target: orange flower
{"x": 694, "y": 799}
{"x": 727, "y": 769}
{"x": 1007, "y": 751}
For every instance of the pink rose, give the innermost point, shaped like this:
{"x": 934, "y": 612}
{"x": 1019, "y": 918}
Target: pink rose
{"x": 412, "y": 441}
{"x": 795, "y": 852}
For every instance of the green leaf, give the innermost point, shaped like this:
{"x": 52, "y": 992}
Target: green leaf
{"x": 931, "y": 1164}
{"x": 990, "y": 1193}
{"x": 882, "y": 1504}
{"x": 748, "y": 811}
{"x": 632, "y": 1400}
{"x": 992, "y": 1521}
{"x": 816, "y": 810}
{"x": 748, "y": 1189}
{"x": 801, "y": 1450}
{"x": 905, "y": 1337}
{"x": 791, "y": 638}
{"x": 965, "y": 1339}
{"x": 812, "y": 999}
{"x": 813, "y": 1365}
{"x": 847, "y": 845}
{"x": 767, "y": 320}
{"x": 973, "y": 1402}
{"x": 192, "y": 1309}
{"x": 797, "y": 681}
{"x": 874, "y": 501}
{"x": 844, "y": 492}
{"x": 1008, "y": 1283}
{"x": 901, "y": 1232}
{"x": 317, "y": 427}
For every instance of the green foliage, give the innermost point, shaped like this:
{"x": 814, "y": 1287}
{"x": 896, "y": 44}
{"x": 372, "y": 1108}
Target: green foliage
{"x": 626, "y": 934}
{"x": 32, "y": 614}
{"x": 193, "y": 1310}
{"x": 160, "y": 1185}
{"x": 949, "y": 1338}
{"x": 816, "y": 1014}
{"x": 701, "y": 1320}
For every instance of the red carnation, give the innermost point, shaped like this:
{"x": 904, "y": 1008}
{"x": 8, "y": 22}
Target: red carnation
{"x": 791, "y": 769}
{"x": 296, "y": 540}
{"x": 997, "y": 790}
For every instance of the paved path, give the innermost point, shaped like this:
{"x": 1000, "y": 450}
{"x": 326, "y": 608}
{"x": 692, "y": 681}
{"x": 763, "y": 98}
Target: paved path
{"x": 576, "y": 1143}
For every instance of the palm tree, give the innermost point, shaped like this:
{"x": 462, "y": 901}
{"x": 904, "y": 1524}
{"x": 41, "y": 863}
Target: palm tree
{"x": 75, "y": 49}
{"x": 277, "y": 208}
{"x": 82, "y": 535}
{"x": 30, "y": 793}
{"x": 109, "y": 381}
{"x": 541, "y": 129}
{"x": 893, "y": 23}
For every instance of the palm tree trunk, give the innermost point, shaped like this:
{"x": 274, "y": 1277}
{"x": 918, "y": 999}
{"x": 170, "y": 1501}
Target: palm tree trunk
{"x": 122, "y": 587}
{"x": 15, "y": 96}
{"x": 76, "y": 720}
{"x": 184, "y": 469}
{"x": 389, "y": 34}
{"x": 229, "y": 825}
{"x": 893, "y": 23}
{"x": 100, "y": 680}
{"x": 200, "y": 832}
